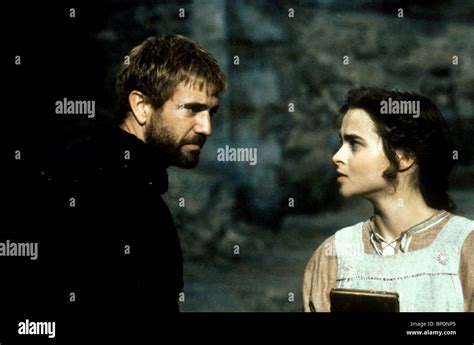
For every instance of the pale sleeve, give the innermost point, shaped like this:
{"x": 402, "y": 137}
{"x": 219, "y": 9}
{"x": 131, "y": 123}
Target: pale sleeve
{"x": 466, "y": 272}
{"x": 320, "y": 277}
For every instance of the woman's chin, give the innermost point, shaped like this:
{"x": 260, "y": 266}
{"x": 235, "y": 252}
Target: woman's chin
{"x": 345, "y": 193}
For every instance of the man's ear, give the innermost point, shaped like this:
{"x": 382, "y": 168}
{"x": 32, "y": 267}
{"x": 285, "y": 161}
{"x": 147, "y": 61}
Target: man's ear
{"x": 405, "y": 159}
{"x": 141, "y": 109}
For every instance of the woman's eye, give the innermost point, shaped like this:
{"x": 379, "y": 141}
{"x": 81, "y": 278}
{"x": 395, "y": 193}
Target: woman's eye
{"x": 354, "y": 144}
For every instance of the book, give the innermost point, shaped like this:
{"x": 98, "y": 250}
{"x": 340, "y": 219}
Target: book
{"x": 354, "y": 300}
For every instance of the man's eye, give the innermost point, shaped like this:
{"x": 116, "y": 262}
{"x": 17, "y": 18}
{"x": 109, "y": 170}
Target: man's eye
{"x": 182, "y": 107}
{"x": 190, "y": 110}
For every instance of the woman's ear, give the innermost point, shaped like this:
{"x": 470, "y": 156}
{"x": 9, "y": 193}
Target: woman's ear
{"x": 405, "y": 159}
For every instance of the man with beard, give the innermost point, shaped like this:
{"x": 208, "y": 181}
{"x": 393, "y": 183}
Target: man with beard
{"x": 112, "y": 250}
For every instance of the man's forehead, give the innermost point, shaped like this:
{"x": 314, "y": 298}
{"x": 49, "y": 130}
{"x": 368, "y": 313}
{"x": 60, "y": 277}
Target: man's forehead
{"x": 197, "y": 90}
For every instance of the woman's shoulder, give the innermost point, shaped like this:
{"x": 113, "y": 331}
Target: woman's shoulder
{"x": 323, "y": 258}
{"x": 322, "y": 253}
{"x": 468, "y": 245}
{"x": 327, "y": 247}
{"x": 354, "y": 228}
{"x": 458, "y": 227}
{"x": 461, "y": 219}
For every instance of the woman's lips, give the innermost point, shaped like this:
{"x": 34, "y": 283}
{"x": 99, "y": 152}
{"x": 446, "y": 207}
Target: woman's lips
{"x": 341, "y": 175}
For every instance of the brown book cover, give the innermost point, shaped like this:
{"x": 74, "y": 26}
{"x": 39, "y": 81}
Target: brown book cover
{"x": 354, "y": 300}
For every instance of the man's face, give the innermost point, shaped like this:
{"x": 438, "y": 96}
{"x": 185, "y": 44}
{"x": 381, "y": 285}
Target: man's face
{"x": 360, "y": 160}
{"x": 180, "y": 128}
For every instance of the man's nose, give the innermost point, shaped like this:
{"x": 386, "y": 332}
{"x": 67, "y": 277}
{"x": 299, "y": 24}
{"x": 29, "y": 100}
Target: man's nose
{"x": 203, "y": 123}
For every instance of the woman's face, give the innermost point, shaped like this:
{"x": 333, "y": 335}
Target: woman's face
{"x": 360, "y": 160}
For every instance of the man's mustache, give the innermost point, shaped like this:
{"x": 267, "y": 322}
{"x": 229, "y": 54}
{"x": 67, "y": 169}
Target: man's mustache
{"x": 196, "y": 140}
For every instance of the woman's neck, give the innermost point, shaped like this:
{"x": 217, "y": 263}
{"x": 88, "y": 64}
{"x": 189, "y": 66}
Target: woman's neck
{"x": 398, "y": 212}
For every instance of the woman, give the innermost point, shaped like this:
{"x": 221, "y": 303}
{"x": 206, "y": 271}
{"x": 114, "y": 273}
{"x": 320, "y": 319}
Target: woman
{"x": 412, "y": 245}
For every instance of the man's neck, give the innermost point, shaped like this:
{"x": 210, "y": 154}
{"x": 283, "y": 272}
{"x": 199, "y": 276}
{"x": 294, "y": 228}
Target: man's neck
{"x": 396, "y": 213}
{"x": 133, "y": 127}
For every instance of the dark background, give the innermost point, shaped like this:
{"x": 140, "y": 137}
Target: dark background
{"x": 282, "y": 60}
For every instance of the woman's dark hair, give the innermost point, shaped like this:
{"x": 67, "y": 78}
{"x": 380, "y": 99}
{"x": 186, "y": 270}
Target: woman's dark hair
{"x": 424, "y": 134}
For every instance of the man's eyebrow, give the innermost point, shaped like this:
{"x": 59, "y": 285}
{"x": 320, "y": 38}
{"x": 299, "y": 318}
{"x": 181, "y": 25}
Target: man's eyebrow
{"x": 198, "y": 106}
{"x": 351, "y": 136}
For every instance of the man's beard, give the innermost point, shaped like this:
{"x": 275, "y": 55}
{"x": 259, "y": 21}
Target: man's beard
{"x": 161, "y": 139}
